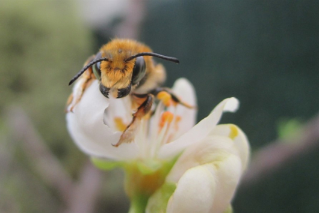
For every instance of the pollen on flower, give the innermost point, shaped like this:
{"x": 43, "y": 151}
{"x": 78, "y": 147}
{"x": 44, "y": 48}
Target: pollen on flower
{"x": 119, "y": 124}
{"x": 178, "y": 119}
{"x": 165, "y": 97}
{"x": 233, "y": 131}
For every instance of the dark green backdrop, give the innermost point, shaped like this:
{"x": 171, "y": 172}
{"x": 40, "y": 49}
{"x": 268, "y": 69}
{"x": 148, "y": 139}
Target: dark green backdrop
{"x": 265, "y": 53}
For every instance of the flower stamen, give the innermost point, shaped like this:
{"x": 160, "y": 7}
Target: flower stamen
{"x": 165, "y": 97}
{"x": 167, "y": 117}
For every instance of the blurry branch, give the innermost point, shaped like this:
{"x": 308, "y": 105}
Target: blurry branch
{"x": 7, "y": 203}
{"x": 6, "y": 157}
{"x": 130, "y": 27}
{"x": 272, "y": 157}
{"x": 78, "y": 197}
{"x": 46, "y": 164}
{"x": 86, "y": 191}
{"x": 17, "y": 182}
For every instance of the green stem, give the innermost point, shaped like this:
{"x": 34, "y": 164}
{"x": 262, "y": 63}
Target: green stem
{"x": 143, "y": 178}
{"x": 138, "y": 204}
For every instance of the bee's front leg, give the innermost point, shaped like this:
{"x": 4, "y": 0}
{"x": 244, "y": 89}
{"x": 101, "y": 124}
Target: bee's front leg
{"x": 144, "y": 108}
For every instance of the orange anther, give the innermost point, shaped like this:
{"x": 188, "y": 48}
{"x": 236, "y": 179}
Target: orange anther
{"x": 119, "y": 124}
{"x": 165, "y": 97}
{"x": 166, "y": 117}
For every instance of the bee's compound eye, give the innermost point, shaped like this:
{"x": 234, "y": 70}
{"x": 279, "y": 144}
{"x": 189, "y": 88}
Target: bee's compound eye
{"x": 97, "y": 70}
{"x": 138, "y": 70}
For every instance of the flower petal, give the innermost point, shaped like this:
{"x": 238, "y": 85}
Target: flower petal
{"x": 194, "y": 193}
{"x": 185, "y": 91}
{"x": 224, "y": 154}
{"x": 88, "y": 131}
{"x": 213, "y": 148}
{"x": 118, "y": 108}
{"x": 207, "y": 188}
{"x": 199, "y": 131}
{"x": 239, "y": 138}
{"x": 77, "y": 92}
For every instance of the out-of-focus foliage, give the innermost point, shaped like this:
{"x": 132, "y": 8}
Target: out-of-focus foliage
{"x": 288, "y": 129}
{"x": 42, "y": 45}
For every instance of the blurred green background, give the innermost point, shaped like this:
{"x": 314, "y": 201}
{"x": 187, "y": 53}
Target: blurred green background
{"x": 265, "y": 53}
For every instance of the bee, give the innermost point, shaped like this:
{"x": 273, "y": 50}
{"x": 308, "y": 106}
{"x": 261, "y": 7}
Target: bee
{"x": 125, "y": 67}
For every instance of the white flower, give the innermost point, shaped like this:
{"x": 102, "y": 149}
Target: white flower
{"x": 93, "y": 124}
{"x": 208, "y": 172}
{"x": 213, "y": 156}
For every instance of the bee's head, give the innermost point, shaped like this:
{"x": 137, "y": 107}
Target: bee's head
{"x": 118, "y": 73}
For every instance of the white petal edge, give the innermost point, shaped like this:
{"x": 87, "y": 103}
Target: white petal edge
{"x": 229, "y": 172}
{"x": 199, "y": 131}
{"x": 240, "y": 141}
{"x": 213, "y": 148}
{"x": 118, "y": 108}
{"x": 88, "y": 131}
{"x": 207, "y": 188}
{"x": 194, "y": 193}
{"x": 186, "y": 92}
{"x": 232, "y": 105}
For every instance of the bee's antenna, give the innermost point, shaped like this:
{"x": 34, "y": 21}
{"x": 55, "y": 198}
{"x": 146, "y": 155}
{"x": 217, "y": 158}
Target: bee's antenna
{"x": 168, "y": 58}
{"x": 85, "y": 68}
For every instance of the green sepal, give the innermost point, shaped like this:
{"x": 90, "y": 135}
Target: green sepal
{"x": 143, "y": 179}
{"x": 159, "y": 200}
{"x": 106, "y": 165}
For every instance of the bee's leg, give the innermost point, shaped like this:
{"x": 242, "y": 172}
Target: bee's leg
{"x": 169, "y": 98}
{"x": 86, "y": 80}
{"x": 144, "y": 108}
